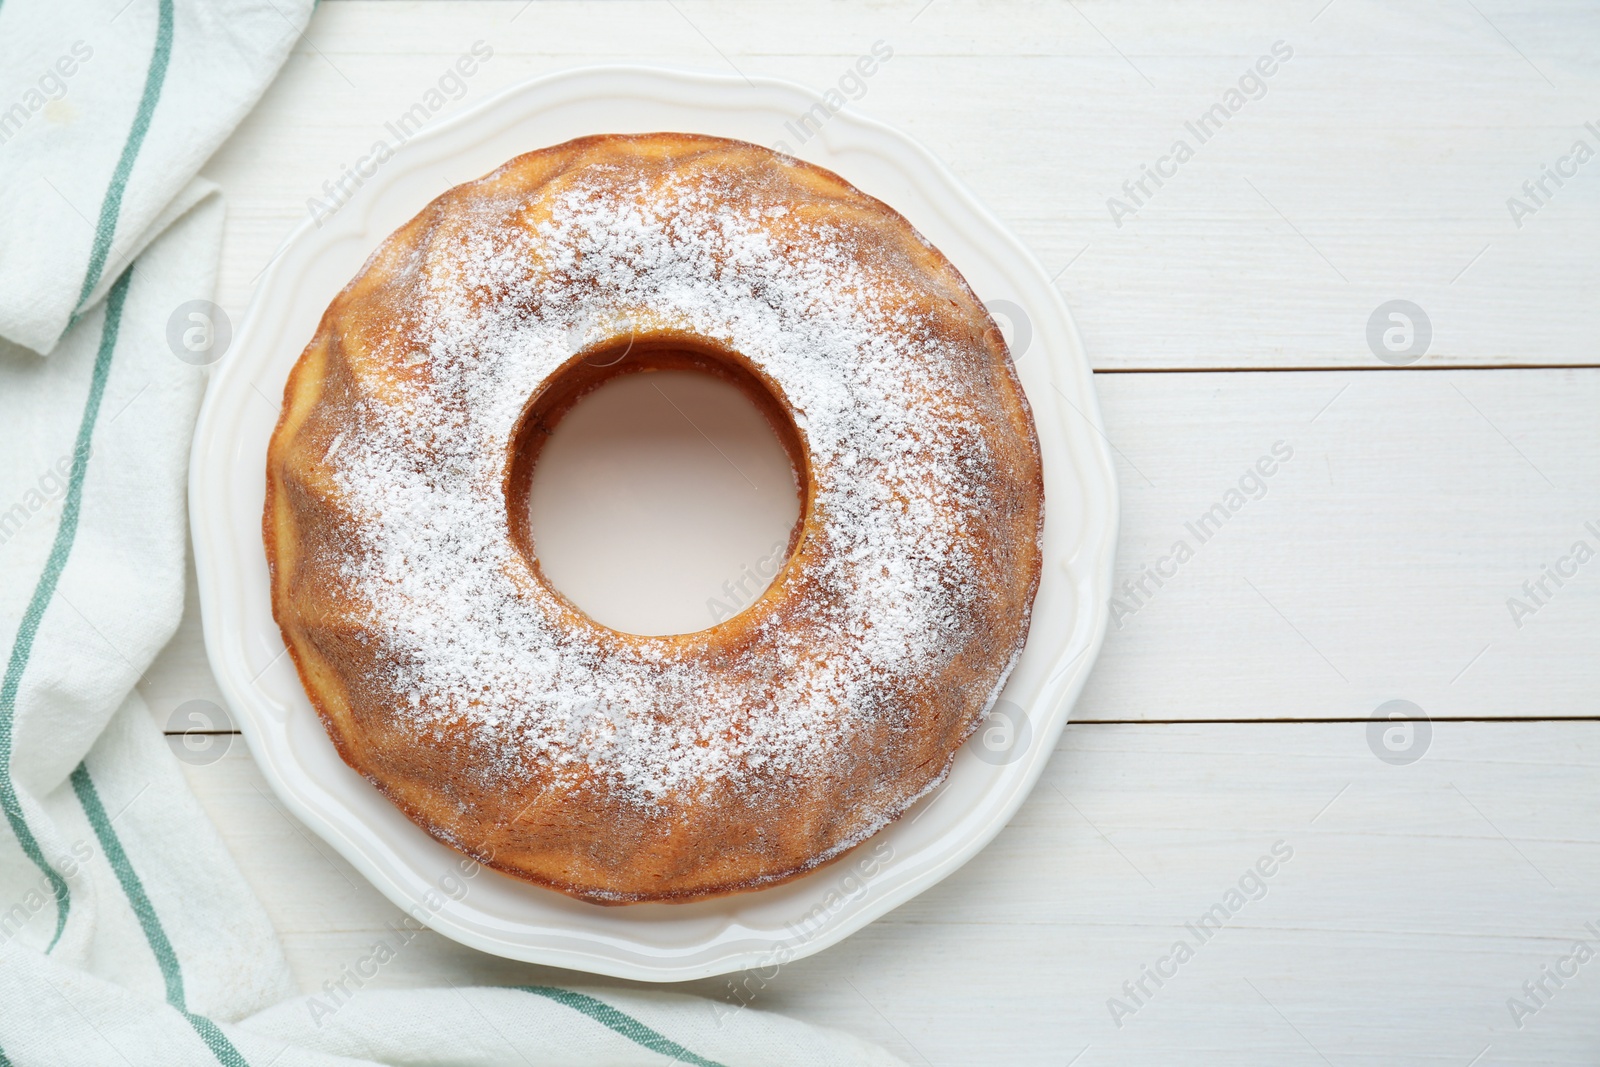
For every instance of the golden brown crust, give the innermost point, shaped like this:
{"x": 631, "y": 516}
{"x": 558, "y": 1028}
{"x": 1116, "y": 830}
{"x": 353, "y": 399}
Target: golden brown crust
{"x": 572, "y": 834}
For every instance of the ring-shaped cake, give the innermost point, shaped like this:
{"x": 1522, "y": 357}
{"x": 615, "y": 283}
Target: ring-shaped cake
{"x": 617, "y": 767}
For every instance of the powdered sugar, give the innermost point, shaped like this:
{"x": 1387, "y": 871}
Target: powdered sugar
{"x": 890, "y": 584}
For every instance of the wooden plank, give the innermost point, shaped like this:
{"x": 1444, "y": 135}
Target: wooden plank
{"x": 1377, "y": 563}
{"x": 1376, "y": 165}
{"x": 1412, "y": 903}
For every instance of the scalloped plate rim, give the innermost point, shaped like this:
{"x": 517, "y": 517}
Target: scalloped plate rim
{"x": 1089, "y": 579}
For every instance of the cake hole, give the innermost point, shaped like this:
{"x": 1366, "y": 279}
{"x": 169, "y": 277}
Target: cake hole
{"x": 663, "y": 499}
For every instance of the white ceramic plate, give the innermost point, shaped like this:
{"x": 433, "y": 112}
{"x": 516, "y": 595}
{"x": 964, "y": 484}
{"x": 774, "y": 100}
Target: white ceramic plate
{"x": 654, "y": 942}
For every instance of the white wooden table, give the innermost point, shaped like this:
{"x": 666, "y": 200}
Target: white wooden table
{"x": 1229, "y": 711}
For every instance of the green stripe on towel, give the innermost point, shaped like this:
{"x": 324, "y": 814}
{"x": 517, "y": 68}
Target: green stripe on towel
{"x": 55, "y": 563}
{"x": 621, "y": 1022}
{"x": 214, "y": 1038}
{"x": 111, "y": 845}
{"x": 149, "y": 922}
{"x": 111, "y": 207}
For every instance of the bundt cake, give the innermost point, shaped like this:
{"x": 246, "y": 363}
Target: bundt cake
{"x": 616, "y": 767}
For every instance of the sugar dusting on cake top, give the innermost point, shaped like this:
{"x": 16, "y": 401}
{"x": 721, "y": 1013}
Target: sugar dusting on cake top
{"x": 504, "y": 295}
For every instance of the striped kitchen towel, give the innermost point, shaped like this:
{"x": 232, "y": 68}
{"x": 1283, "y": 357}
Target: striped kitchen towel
{"x": 107, "y": 111}
{"x": 127, "y": 934}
